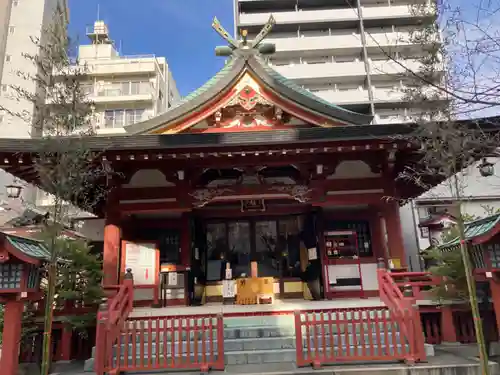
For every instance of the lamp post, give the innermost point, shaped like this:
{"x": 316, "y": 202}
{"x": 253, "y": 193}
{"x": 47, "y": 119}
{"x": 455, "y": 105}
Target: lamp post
{"x": 486, "y": 169}
{"x": 13, "y": 190}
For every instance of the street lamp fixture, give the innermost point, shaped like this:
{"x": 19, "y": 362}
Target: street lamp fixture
{"x": 14, "y": 190}
{"x": 486, "y": 168}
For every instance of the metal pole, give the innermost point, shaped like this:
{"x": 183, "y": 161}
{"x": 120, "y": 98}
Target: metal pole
{"x": 471, "y": 284}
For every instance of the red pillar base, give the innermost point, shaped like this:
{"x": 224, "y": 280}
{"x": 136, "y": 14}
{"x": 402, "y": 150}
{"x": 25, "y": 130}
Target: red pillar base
{"x": 13, "y": 315}
{"x": 447, "y": 325}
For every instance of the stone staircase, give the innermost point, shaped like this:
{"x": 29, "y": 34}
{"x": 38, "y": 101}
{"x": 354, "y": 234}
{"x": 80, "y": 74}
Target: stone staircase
{"x": 266, "y": 340}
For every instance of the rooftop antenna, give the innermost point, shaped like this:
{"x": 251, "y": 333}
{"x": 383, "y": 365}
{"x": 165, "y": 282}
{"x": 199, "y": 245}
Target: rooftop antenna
{"x": 100, "y": 33}
{"x": 120, "y": 47}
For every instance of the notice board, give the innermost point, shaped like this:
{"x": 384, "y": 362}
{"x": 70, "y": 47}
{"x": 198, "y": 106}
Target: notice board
{"x": 141, "y": 258}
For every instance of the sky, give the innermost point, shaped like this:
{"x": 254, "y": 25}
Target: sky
{"x": 179, "y": 30}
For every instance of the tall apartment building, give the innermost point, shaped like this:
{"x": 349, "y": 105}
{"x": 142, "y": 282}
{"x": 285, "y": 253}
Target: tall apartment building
{"x": 125, "y": 89}
{"x": 338, "y": 49}
{"x": 20, "y": 21}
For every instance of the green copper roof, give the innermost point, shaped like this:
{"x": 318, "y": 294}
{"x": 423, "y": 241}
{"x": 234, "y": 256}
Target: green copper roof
{"x": 30, "y": 247}
{"x": 209, "y": 84}
{"x": 292, "y": 85}
{"x": 476, "y": 228}
{"x": 229, "y": 74}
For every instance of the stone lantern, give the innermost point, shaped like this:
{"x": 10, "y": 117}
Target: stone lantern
{"x": 21, "y": 260}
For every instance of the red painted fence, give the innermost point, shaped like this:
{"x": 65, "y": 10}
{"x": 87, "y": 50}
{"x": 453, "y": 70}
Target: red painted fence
{"x": 351, "y": 335}
{"x": 161, "y": 343}
{"x": 110, "y": 321}
{"x": 404, "y": 310}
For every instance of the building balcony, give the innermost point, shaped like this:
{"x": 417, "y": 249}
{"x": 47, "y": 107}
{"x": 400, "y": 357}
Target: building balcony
{"x": 388, "y": 68}
{"x": 315, "y": 73}
{"x": 331, "y": 44}
{"x": 122, "y": 66}
{"x": 116, "y": 66}
{"x": 332, "y": 15}
{"x": 112, "y": 96}
{"x": 315, "y": 45}
{"x": 346, "y": 97}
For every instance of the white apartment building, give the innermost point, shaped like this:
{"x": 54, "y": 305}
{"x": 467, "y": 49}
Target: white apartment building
{"x": 335, "y": 48}
{"x": 125, "y": 89}
{"x": 20, "y": 21}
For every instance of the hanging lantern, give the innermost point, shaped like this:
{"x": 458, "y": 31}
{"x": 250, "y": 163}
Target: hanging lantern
{"x": 486, "y": 168}
{"x": 14, "y": 190}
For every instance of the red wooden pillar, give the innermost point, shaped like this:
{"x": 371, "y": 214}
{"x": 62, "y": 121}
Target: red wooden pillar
{"x": 395, "y": 240}
{"x": 448, "y": 330}
{"x": 65, "y": 345}
{"x": 111, "y": 252}
{"x": 13, "y": 315}
{"x": 495, "y": 296}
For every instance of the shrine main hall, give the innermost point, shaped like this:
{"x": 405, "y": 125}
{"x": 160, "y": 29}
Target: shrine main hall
{"x": 248, "y": 176}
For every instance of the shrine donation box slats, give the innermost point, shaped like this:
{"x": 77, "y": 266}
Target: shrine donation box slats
{"x": 254, "y": 290}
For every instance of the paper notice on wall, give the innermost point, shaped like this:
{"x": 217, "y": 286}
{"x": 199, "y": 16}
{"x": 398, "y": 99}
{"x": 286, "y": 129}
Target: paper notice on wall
{"x": 141, "y": 259}
{"x": 172, "y": 278}
{"x": 312, "y": 253}
{"x": 228, "y": 288}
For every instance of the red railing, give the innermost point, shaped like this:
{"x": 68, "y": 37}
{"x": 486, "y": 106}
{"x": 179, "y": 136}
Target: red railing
{"x": 350, "y": 335}
{"x": 406, "y": 313}
{"x": 419, "y": 282}
{"x": 174, "y": 342}
{"x": 110, "y": 320}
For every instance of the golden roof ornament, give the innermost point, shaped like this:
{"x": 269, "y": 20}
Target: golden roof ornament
{"x": 243, "y": 47}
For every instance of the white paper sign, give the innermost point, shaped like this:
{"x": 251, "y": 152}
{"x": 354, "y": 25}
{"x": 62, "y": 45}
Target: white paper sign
{"x": 172, "y": 278}
{"x": 312, "y": 253}
{"x": 228, "y": 288}
{"x": 141, "y": 259}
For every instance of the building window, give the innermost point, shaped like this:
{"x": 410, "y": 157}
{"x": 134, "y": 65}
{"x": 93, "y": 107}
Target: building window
{"x": 12, "y": 29}
{"x": 4, "y": 88}
{"x": 118, "y": 118}
{"x": 125, "y": 88}
{"x": 7, "y": 58}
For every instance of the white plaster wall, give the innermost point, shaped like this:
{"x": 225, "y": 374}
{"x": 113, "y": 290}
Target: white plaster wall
{"x": 411, "y": 235}
{"x": 471, "y": 183}
{"x": 352, "y": 169}
{"x": 148, "y": 178}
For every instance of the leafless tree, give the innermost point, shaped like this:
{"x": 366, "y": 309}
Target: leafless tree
{"x": 64, "y": 165}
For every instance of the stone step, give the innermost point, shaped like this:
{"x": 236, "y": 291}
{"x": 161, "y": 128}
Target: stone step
{"x": 259, "y": 356}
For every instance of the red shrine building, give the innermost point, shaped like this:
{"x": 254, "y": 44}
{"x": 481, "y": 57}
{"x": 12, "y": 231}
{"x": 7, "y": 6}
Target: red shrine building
{"x": 249, "y": 177}
{"x": 254, "y": 175}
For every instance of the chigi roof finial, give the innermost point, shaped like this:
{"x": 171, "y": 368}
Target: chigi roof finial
{"x": 256, "y": 46}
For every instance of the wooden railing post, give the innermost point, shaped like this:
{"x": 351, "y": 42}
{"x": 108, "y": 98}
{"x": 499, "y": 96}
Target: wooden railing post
{"x": 299, "y": 345}
{"x": 100, "y": 338}
{"x": 128, "y": 281}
